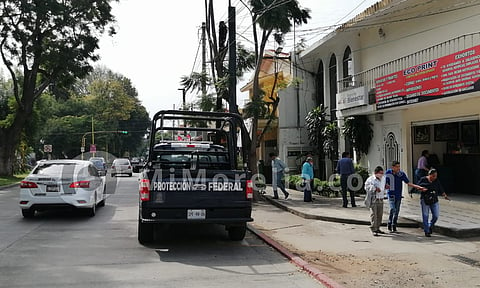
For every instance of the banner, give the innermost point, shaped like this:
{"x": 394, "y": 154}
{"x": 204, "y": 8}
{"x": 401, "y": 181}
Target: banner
{"x": 446, "y": 76}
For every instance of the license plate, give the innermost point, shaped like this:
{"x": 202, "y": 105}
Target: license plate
{"x": 52, "y": 188}
{"x": 196, "y": 214}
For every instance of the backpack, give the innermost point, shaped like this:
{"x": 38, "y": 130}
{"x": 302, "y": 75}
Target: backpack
{"x": 430, "y": 197}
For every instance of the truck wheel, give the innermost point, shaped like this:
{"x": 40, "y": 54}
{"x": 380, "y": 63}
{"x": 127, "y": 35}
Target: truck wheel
{"x": 237, "y": 232}
{"x": 145, "y": 232}
{"x": 28, "y": 213}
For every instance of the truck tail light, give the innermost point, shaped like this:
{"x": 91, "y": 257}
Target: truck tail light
{"x": 28, "y": 184}
{"x": 80, "y": 184}
{"x": 144, "y": 188}
{"x": 249, "y": 189}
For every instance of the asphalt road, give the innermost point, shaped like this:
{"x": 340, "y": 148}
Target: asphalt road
{"x": 65, "y": 249}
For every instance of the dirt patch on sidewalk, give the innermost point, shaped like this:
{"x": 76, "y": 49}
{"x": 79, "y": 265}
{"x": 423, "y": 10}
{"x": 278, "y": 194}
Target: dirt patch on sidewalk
{"x": 368, "y": 271}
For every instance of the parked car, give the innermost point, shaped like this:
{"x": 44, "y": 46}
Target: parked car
{"x": 100, "y": 164}
{"x": 121, "y": 166}
{"x": 62, "y": 183}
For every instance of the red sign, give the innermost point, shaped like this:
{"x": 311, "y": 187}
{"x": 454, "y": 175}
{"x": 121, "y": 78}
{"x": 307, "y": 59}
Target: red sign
{"x": 93, "y": 148}
{"x": 446, "y": 76}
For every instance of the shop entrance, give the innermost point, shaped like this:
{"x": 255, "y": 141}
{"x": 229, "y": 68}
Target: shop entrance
{"x": 454, "y": 150}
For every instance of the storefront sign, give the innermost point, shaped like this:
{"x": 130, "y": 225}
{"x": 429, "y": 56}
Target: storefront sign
{"x": 446, "y": 76}
{"x": 352, "y": 98}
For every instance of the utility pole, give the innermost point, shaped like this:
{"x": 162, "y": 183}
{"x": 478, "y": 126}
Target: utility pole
{"x": 204, "y": 60}
{"x": 232, "y": 59}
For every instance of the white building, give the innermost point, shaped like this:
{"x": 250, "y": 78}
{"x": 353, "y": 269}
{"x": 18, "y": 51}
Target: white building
{"x": 413, "y": 67}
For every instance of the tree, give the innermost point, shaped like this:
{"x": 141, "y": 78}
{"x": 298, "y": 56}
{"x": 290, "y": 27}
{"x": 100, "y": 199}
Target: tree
{"x": 359, "y": 130}
{"x": 44, "y": 44}
{"x": 268, "y": 16}
{"x": 316, "y": 122}
{"x": 194, "y": 82}
{"x": 106, "y": 98}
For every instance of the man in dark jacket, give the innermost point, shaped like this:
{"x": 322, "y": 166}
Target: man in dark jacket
{"x": 429, "y": 200}
{"x": 345, "y": 169}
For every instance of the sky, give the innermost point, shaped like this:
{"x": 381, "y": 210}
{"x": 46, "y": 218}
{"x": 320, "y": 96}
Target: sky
{"x": 157, "y": 41}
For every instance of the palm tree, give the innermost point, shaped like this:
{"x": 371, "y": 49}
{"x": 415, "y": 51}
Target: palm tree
{"x": 268, "y": 16}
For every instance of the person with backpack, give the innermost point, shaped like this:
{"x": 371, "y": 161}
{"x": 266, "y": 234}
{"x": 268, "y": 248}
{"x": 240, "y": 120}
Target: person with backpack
{"x": 429, "y": 200}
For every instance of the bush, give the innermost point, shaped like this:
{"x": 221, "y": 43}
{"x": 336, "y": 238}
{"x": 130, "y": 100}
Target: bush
{"x": 363, "y": 172}
{"x": 322, "y": 188}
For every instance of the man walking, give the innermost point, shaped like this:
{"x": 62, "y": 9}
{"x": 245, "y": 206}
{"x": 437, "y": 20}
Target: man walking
{"x": 278, "y": 171}
{"x": 375, "y": 188}
{"x": 394, "y": 179}
{"x": 345, "y": 169}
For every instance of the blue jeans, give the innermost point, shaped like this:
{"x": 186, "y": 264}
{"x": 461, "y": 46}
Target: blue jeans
{"x": 278, "y": 183}
{"x": 394, "y": 209}
{"x": 435, "y": 208}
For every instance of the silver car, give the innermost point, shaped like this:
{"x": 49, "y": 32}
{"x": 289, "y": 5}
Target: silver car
{"x": 62, "y": 183}
{"x": 121, "y": 166}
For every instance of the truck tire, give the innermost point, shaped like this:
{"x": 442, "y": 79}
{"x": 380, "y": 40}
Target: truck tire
{"x": 145, "y": 232}
{"x": 237, "y": 232}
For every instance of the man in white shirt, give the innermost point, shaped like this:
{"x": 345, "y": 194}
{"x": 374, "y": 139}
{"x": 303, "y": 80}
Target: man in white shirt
{"x": 375, "y": 188}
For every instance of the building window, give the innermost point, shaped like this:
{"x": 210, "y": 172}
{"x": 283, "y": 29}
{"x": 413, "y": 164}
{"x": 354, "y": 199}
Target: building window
{"x": 332, "y": 75}
{"x": 347, "y": 68}
{"x": 320, "y": 93}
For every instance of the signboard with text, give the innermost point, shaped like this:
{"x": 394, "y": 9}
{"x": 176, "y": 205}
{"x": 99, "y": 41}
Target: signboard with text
{"x": 446, "y": 76}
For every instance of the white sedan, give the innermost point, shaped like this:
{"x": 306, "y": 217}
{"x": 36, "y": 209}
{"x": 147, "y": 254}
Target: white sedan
{"x": 62, "y": 183}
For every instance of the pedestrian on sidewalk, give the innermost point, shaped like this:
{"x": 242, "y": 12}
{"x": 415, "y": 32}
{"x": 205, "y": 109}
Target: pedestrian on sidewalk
{"x": 422, "y": 166}
{"x": 278, "y": 171}
{"x": 345, "y": 169}
{"x": 307, "y": 176}
{"x": 394, "y": 179}
{"x": 429, "y": 200}
{"x": 375, "y": 188}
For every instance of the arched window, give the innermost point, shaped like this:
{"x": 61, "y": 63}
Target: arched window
{"x": 320, "y": 93}
{"x": 347, "y": 68}
{"x": 332, "y": 75}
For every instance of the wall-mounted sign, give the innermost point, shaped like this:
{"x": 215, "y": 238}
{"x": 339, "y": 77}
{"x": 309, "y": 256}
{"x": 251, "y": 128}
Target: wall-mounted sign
{"x": 352, "y": 98}
{"x": 446, "y": 76}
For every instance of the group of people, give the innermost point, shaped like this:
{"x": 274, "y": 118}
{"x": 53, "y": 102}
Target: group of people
{"x": 382, "y": 184}
{"x": 389, "y": 184}
{"x": 278, "y": 170}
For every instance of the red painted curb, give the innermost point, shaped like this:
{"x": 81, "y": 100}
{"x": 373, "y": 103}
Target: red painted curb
{"x": 307, "y": 267}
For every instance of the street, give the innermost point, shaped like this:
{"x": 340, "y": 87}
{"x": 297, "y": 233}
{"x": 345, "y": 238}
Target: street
{"x": 65, "y": 249}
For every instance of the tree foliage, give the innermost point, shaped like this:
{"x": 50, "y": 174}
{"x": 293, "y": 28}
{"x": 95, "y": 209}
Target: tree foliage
{"x": 359, "y": 130}
{"x": 44, "y": 44}
{"x": 268, "y": 16}
{"x": 315, "y": 123}
{"x": 111, "y": 102}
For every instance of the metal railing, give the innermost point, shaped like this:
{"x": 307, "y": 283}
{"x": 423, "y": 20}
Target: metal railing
{"x": 367, "y": 77}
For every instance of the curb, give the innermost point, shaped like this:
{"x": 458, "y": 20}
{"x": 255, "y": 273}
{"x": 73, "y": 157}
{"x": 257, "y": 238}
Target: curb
{"x": 9, "y": 186}
{"x": 304, "y": 265}
{"x": 408, "y": 224}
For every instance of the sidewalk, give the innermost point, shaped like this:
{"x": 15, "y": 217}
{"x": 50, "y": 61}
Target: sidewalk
{"x": 459, "y": 217}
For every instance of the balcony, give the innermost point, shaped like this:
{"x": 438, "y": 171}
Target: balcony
{"x": 367, "y": 78}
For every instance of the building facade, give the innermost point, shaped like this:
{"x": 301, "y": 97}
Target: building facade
{"x": 413, "y": 68}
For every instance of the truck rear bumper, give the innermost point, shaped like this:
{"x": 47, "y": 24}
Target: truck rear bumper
{"x": 212, "y": 215}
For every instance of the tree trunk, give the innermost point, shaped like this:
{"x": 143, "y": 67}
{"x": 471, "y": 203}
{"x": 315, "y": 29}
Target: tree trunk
{"x": 9, "y": 139}
{"x": 10, "y": 136}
